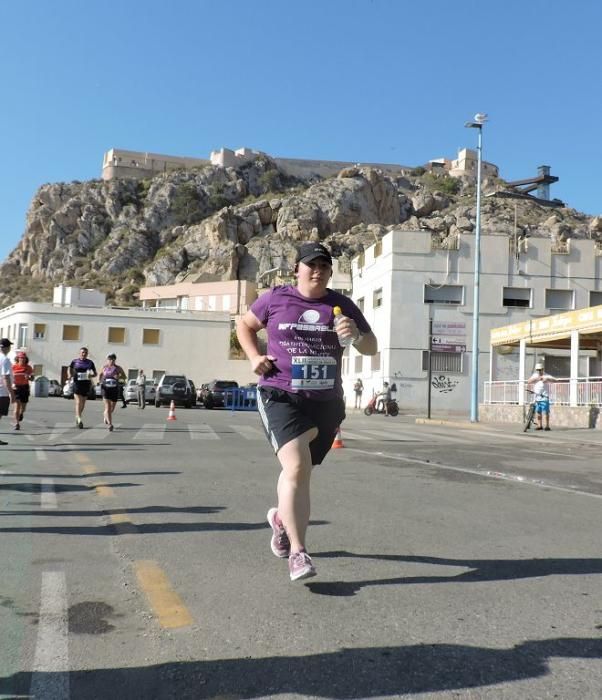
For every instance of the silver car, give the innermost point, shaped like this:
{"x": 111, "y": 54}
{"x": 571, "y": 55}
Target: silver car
{"x": 130, "y": 392}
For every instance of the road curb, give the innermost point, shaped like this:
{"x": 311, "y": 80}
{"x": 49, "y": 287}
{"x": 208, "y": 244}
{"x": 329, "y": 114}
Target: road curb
{"x": 443, "y": 421}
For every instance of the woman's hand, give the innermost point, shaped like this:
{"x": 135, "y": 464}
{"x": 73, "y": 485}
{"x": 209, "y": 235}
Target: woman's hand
{"x": 262, "y": 364}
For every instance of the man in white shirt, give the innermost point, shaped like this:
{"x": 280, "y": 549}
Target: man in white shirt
{"x": 7, "y": 393}
{"x": 141, "y": 388}
{"x": 538, "y": 383}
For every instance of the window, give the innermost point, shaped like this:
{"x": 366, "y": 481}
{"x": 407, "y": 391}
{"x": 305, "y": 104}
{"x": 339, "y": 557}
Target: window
{"x": 443, "y": 361}
{"x": 116, "y": 335}
{"x": 39, "y": 331}
{"x": 132, "y": 374}
{"x": 360, "y": 304}
{"x": 22, "y": 336}
{"x": 560, "y": 299}
{"x": 517, "y": 296}
{"x": 443, "y": 294}
{"x": 359, "y": 364}
{"x": 377, "y": 298}
{"x": 375, "y": 362}
{"x": 70, "y": 332}
{"x": 595, "y": 298}
{"x": 157, "y": 374}
{"x": 38, "y": 370}
{"x": 150, "y": 336}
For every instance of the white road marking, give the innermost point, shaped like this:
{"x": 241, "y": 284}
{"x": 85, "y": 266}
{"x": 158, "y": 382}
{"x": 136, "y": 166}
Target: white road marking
{"x": 50, "y": 677}
{"x": 415, "y": 436}
{"x": 354, "y": 436}
{"x": 476, "y": 472}
{"x": 202, "y": 432}
{"x": 48, "y": 495}
{"x": 60, "y": 429}
{"x": 248, "y": 432}
{"x": 151, "y": 432}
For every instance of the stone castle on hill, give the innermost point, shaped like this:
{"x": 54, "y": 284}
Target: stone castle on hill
{"x": 138, "y": 164}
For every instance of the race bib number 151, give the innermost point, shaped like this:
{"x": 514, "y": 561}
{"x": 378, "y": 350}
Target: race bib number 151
{"x": 313, "y": 372}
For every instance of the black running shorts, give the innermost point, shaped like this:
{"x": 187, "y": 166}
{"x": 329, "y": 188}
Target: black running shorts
{"x": 4, "y": 404}
{"x": 22, "y": 393}
{"x": 286, "y": 416}
{"x": 81, "y": 388}
{"x": 110, "y": 393}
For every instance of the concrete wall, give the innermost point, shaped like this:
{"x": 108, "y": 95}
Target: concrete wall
{"x": 560, "y": 416}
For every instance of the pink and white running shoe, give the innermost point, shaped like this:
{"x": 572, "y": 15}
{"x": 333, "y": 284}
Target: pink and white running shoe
{"x": 280, "y": 543}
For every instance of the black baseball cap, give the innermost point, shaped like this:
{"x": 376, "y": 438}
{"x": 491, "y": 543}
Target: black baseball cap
{"x": 5, "y": 343}
{"x": 310, "y": 251}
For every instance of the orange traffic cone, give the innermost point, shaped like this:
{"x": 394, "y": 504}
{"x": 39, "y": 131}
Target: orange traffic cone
{"x": 338, "y": 440}
{"x": 172, "y": 411}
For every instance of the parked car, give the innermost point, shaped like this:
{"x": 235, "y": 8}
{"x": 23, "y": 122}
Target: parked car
{"x": 54, "y": 388}
{"x": 130, "y": 392}
{"x": 176, "y": 388}
{"x": 214, "y": 394}
{"x": 68, "y": 390}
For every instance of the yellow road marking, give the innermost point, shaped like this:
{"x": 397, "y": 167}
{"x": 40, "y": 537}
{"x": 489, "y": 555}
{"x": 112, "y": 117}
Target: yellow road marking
{"x": 83, "y": 459}
{"x": 122, "y": 524}
{"x": 165, "y": 602}
{"x": 104, "y": 490}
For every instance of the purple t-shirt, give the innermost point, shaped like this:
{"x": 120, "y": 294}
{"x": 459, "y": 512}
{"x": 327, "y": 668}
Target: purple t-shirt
{"x": 80, "y": 367}
{"x": 301, "y": 338}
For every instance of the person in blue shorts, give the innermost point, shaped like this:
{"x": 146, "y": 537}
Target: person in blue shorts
{"x": 300, "y": 393}
{"x": 538, "y": 383}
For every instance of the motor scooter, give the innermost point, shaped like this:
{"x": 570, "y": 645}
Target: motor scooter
{"x": 393, "y": 408}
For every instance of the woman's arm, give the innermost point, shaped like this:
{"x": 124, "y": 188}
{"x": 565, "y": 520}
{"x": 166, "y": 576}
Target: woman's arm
{"x": 247, "y": 328}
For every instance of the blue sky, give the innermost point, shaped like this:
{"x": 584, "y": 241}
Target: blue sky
{"x": 359, "y": 80}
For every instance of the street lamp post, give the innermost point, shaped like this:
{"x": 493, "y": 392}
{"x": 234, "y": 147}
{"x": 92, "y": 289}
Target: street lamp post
{"x": 478, "y": 122}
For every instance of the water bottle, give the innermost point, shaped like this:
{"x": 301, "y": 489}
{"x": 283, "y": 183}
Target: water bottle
{"x": 338, "y": 317}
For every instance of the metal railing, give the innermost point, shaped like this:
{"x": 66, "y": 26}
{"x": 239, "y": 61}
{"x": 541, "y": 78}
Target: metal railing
{"x": 589, "y": 391}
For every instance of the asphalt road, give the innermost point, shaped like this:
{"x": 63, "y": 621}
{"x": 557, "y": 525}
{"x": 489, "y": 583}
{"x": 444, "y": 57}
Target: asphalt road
{"x": 453, "y": 562}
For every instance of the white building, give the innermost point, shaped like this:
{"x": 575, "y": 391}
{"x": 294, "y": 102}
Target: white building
{"x": 407, "y": 280}
{"x": 194, "y": 343}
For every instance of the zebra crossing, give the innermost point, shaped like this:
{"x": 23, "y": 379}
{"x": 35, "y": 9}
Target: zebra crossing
{"x": 155, "y": 433}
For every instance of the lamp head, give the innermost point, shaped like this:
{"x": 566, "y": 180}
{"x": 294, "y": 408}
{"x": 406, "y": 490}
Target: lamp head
{"x": 479, "y": 119}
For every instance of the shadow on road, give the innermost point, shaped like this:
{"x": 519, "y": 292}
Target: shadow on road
{"x": 347, "y": 673}
{"x": 479, "y": 570}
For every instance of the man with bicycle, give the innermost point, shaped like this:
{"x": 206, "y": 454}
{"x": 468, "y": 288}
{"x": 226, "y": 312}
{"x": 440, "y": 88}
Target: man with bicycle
{"x": 539, "y": 381}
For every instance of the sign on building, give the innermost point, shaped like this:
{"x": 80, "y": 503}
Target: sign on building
{"x": 449, "y": 336}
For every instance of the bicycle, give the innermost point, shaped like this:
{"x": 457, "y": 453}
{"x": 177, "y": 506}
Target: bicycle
{"x": 530, "y": 412}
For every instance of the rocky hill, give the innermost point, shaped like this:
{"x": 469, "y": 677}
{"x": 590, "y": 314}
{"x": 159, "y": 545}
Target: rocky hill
{"x": 213, "y": 223}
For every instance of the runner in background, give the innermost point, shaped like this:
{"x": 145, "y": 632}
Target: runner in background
{"x": 110, "y": 376}
{"x": 22, "y": 375}
{"x": 81, "y": 371}
{"x": 7, "y": 393}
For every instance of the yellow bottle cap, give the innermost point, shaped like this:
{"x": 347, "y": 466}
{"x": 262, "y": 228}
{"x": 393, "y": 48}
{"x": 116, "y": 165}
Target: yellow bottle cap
{"x": 337, "y": 311}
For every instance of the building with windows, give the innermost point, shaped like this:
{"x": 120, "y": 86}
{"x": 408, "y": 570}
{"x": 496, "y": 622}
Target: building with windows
{"x": 232, "y": 296}
{"x": 195, "y": 343}
{"x": 412, "y": 287}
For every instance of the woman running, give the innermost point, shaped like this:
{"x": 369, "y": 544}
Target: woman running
{"x": 300, "y": 396}
{"x": 22, "y": 375}
{"x": 110, "y": 377}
